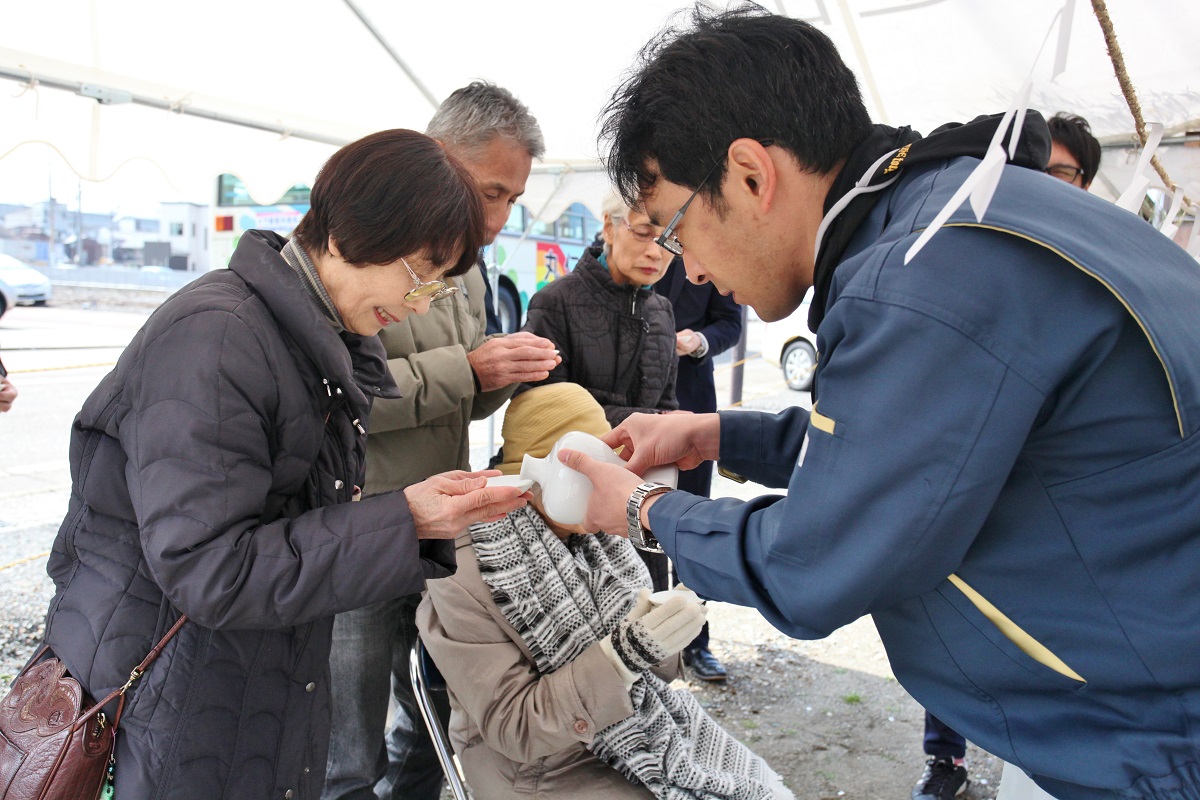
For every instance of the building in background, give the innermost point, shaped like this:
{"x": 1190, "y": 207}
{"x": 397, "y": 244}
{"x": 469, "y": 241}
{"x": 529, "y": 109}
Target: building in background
{"x": 50, "y": 234}
{"x": 185, "y": 226}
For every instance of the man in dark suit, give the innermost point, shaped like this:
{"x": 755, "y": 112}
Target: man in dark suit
{"x": 706, "y": 324}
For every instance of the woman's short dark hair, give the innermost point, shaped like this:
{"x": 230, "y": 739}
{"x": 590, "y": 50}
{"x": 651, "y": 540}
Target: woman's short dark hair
{"x": 392, "y": 194}
{"x": 718, "y": 77}
{"x": 1074, "y": 133}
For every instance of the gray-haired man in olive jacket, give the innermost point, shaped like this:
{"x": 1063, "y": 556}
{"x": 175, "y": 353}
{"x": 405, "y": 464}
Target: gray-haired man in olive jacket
{"x": 449, "y": 373}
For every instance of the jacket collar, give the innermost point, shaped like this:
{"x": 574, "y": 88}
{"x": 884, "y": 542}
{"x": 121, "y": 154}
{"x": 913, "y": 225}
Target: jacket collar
{"x": 346, "y": 360}
{"x": 855, "y": 189}
{"x": 596, "y": 273}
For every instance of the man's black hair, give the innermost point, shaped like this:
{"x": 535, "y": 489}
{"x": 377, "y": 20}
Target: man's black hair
{"x": 712, "y": 77}
{"x": 1074, "y": 133}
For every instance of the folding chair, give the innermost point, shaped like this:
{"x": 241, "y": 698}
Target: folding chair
{"x": 425, "y": 678}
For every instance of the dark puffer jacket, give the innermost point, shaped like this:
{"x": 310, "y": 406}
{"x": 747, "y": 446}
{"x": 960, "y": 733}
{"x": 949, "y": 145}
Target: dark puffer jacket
{"x": 211, "y": 471}
{"x": 618, "y": 342}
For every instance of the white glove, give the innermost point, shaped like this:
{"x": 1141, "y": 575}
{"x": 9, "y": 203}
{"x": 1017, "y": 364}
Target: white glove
{"x": 649, "y": 635}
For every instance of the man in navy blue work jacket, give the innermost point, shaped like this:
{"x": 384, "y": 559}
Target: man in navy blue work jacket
{"x": 1002, "y": 464}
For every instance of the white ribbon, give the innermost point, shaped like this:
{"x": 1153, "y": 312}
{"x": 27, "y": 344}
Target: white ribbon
{"x": 1066, "y": 15}
{"x": 860, "y": 187}
{"x": 1193, "y": 245}
{"x": 1168, "y": 226}
{"x": 1131, "y": 198}
{"x": 981, "y": 184}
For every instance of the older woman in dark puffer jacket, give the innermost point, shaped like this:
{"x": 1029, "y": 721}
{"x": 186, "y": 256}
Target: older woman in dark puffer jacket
{"x": 615, "y": 336}
{"x": 213, "y": 469}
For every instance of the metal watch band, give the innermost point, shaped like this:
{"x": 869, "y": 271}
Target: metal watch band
{"x": 642, "y": 538}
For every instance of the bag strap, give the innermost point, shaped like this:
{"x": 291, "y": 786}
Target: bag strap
{"x": 138, "y": 671}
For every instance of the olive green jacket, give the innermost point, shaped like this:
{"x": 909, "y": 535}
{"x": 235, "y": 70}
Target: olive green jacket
{"x": 424, "y": 432}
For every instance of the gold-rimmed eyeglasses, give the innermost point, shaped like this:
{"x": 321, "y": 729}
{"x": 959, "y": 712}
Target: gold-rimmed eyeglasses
{"x": 642, "y": 233}
{"x": 434, "y": 290}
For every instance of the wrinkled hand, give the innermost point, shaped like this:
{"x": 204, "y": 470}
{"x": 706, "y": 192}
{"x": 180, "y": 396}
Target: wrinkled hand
{"x": 686, "y": 342}
{"x": 444, "y": 505}
{"x": 8, "y": 393}
{"x": 644, "y": 640}
{"x": 520, "y": 357}
{"x": 649, "y": 440}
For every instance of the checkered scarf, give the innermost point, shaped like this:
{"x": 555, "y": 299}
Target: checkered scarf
{"x": 563, "y": 597}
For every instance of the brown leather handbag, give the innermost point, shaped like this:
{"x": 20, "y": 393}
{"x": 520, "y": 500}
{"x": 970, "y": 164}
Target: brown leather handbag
{"x": 55, "y": 743}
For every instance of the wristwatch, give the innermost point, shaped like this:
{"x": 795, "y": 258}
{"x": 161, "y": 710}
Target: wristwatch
{"x": 641, "y": 537}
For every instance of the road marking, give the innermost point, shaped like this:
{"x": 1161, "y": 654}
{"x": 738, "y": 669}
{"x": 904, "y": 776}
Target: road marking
{"x": 41, "y": 466}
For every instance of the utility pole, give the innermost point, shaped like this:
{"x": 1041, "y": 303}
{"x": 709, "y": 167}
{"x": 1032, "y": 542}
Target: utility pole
{"x": 50, "y": 219}
{"x": 79, "y": 225}
{"x": 739, "y": 359}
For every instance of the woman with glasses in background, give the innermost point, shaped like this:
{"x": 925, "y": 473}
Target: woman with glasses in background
{"x": 214, "y": 470}
{"x": 615, "y": 336}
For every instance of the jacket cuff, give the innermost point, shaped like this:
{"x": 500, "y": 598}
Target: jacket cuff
{"x": 601, "y": 692}
{"x": 664, "y": 516}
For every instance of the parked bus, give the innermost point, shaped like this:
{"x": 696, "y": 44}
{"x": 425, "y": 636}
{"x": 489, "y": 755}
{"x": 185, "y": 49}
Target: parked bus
{"x": 526, "y": 255}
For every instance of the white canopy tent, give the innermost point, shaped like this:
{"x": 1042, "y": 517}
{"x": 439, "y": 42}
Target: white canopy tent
{"x": 311, "y": 74}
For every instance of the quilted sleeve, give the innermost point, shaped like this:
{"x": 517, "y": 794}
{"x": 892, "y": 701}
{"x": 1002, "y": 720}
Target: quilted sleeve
{"x": 199, "y": 438}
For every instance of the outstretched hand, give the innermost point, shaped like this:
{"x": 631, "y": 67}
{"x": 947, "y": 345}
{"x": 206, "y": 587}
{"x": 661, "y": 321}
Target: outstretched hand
{"x": 651, "y": 440}
{"x": 8, "y": 393}
{"x": 444, "y": 505}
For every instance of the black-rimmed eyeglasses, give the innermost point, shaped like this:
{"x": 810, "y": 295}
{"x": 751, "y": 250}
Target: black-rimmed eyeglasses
{"x": 1064, "y": 172}
{"x": 666, "y": 239}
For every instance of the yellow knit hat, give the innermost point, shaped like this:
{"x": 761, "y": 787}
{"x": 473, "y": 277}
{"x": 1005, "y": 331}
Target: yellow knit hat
{"x": 537, "y": 418}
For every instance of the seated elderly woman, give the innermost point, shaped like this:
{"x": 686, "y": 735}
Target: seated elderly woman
{"x": 557, "y": 662}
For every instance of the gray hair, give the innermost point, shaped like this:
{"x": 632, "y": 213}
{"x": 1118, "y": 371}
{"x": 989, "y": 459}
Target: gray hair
{"x": 614, "y": 206}
{"x": 471, "y": 117}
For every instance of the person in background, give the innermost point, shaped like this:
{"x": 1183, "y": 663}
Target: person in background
{"x": 615, "y": 335}
{"x": 1074, "y": 151}
{"x": 707, "y": 324}
{"x": 214, "y": 470}
{"x": 8, "y": 392}
{"x": 493, "y": 325}
{"x": 945, "y": 774}
{"x": 449, "y": 373}
{"x": 556, "y": 661}
{"x": 1074, "y": 158}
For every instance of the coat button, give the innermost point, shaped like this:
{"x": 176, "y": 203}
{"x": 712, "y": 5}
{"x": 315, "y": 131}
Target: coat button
{"x": 307, "y": 770}
{"x": 581, "y": 726}
{"x": 310, "y": 687}
{"x": 288, "y": 794}
{"x": 338, "y": 484}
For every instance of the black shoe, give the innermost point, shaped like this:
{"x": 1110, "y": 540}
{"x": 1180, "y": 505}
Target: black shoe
{"x": 704, "y": 665}
{"x": 942, "y": 780}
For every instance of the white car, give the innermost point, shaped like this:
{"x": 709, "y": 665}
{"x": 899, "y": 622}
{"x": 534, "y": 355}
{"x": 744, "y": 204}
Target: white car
{"x": 21, "y": 284}
{"x": 789, "y": 344}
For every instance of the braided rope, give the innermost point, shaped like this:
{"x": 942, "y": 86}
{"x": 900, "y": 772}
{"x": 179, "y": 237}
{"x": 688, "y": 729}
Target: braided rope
{"x": 1135, "y": 108}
